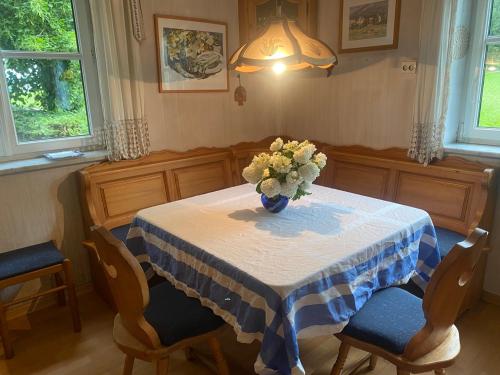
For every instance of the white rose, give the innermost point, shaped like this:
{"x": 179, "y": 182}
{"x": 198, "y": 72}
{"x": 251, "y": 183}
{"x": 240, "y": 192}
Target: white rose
{"x": 291, "y": 145}
{"x": 252, "y": 174}
{"x": 270, "y": 187}
{"x": 309, "y": 172}
{"x": 261, "y": 161}
{"x": 305, "y": 186}
{"x": 304, "y": 154}
{"x": 294, "y": 178}
{"x": 320, "y": 160}
{"x": 289, "y": 190}
{"x": 280, "y": 163}
{"x": 276, "y": 145}
{"x": 266, "y": 173}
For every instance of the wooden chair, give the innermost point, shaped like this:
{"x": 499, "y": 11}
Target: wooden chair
{"x": 415, "y": 335}
{"x": 151, "y": 324}
{"x": 29, "y": 263}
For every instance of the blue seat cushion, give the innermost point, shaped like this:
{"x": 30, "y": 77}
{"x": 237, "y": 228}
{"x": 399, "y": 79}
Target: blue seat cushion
{"x": 176, "y": 316}
{"x": 389, "y": 319}
{"x": 27, "y": 259}
{"x": 447, "y": 239}
{"x": 121, "y": 232}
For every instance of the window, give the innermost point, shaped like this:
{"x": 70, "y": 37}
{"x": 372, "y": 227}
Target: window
{"x": 47, "y": 76}
{"x": 481, "y": 122}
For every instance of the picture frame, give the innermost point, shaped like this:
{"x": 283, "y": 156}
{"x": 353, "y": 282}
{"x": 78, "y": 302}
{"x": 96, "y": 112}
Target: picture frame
{"x": 369, "y": 25}
{"x": 254, "y": 14}
{"x": 191, "y": 54}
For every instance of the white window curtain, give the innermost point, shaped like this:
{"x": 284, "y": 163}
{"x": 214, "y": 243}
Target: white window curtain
{"x": 438, "y": 36}
{"x": 117, "y": 27}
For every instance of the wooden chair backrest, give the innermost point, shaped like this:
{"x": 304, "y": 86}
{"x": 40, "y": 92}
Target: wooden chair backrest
{"x": 128, "y": 285}
{"x": 445, "y": 292}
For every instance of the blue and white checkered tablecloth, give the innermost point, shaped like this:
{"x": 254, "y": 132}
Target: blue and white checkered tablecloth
{"x": 276, "y": 278}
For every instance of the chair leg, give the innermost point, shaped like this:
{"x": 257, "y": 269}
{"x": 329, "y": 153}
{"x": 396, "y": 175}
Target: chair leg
{"x": 4, "y": 333}
{"x": 129, "y": 365}
{"x": 339, "y": 363}
{"x": 162, "y": 366}
{"x": 403, "y": 372}
{"x": 220, "y": 361}
{"x": 373, "y": 362}
{"x": 73, "y": 302}
{"x": 61, "y": 297}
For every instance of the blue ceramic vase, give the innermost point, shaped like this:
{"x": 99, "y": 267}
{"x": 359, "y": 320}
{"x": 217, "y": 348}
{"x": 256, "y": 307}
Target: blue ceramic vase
{"x": 275, "y": 204}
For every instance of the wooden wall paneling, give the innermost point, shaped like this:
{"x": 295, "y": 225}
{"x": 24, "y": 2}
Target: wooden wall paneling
{"x": 202, "y": 178}
{"x": 360, "y": 179}
{"x": 447, "y": 201}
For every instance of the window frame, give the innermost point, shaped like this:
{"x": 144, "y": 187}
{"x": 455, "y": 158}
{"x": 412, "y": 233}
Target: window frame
{"x": 9, "y": 146}
{"x": 469, "y": 130}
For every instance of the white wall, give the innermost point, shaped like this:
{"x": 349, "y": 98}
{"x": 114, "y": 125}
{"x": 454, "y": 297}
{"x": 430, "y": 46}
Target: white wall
{"x": 367, "y": 100}
{"x": 188, "y": 120}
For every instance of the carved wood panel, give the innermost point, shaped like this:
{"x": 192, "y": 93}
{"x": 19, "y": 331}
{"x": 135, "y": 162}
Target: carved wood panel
{"x": 132, "y": 194}
{"x": 360, "y": 179}
{"x": 200, "y": 178}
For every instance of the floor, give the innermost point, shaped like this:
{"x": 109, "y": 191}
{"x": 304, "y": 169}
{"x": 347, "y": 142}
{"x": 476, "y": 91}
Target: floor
{"x": 52, "y": 348}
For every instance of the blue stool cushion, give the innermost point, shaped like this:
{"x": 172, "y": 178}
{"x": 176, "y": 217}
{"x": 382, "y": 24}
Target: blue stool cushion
{"x": 176, "y": 316}
{"x": 121, "y": 232}
{"x": 389, "y": 319}
{"x": 447, "y": 239}
{"x": 27, "y": 259}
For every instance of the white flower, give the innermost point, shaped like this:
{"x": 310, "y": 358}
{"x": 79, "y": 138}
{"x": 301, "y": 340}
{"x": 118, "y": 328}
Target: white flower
{"x": 276, "y": 145}
{"x": 266, "y": 173}
{"x": 280, "y": 163}
{"x": 304, "y": 154}
{"x": 289, "y": 190}
{"x": 261, "y": 161}
{"x": 270, "y": 187}
{"x": 252, "y": 174}
{"x": 291, "y": 145}
{"x": 305, "y": 186}
{"x": 309, "y": 172}
{"x": 320, "y": 160}
{"x": 294, "y": 178}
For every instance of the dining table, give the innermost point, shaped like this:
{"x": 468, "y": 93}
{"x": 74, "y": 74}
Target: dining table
{"x": 278, "y": 278}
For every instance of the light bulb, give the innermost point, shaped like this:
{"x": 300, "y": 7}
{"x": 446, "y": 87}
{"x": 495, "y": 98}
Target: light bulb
{"x": 279, "y": 68}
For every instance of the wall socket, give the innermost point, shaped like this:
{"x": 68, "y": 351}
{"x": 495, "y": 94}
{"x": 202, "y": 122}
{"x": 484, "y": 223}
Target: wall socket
{"x": 408, "y": 67}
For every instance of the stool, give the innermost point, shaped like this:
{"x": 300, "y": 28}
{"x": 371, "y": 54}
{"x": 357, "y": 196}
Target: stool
{"x": 33, "y": 262}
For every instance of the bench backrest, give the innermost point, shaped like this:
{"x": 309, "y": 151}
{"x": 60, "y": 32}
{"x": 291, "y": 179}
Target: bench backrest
{"x": 457, "y": 193}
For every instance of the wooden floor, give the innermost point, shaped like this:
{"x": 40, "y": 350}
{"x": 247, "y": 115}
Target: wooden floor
{"x": 52, "y": 348}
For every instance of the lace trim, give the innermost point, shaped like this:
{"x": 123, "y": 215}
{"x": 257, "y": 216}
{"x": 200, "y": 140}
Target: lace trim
{"x": 137, "y": 20}
{"x": 126, "y": 139}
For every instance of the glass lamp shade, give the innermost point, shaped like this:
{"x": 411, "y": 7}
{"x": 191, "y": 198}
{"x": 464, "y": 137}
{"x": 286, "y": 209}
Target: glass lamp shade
{"x": 282, "y": 46}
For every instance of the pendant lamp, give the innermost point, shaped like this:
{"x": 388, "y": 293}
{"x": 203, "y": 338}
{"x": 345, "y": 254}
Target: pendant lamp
{"x": 281, "y": 47}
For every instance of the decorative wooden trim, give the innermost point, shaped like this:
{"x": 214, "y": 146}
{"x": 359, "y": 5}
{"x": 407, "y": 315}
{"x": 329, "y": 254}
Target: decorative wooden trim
{"x": 395, "y": 40}
{"x": 158, "y": 57}
{"x": 492, "y": 298}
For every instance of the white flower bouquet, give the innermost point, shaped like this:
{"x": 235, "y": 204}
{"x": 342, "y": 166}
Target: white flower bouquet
{"x": 288, "y": 172}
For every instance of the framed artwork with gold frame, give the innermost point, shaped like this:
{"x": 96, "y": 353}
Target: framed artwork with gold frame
{"x": 191, "y": 54}
{"x": 369, "y": 25}
{"x": 254, "y": 14}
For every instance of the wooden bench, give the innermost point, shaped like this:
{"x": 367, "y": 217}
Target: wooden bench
{"x": 458, "y": 194}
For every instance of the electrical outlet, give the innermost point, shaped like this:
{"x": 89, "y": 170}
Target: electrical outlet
{"x": 408, "y": 67}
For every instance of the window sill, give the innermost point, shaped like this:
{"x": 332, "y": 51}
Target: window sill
{"x": 36, "y": 164}
{"x": 467, "y": 149}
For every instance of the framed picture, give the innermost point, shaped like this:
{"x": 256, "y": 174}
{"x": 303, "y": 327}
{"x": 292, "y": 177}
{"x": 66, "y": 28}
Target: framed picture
{"x": 254, "y": 15}
{"x": 369, "y": 25}
{"x": 192, "y": 54}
